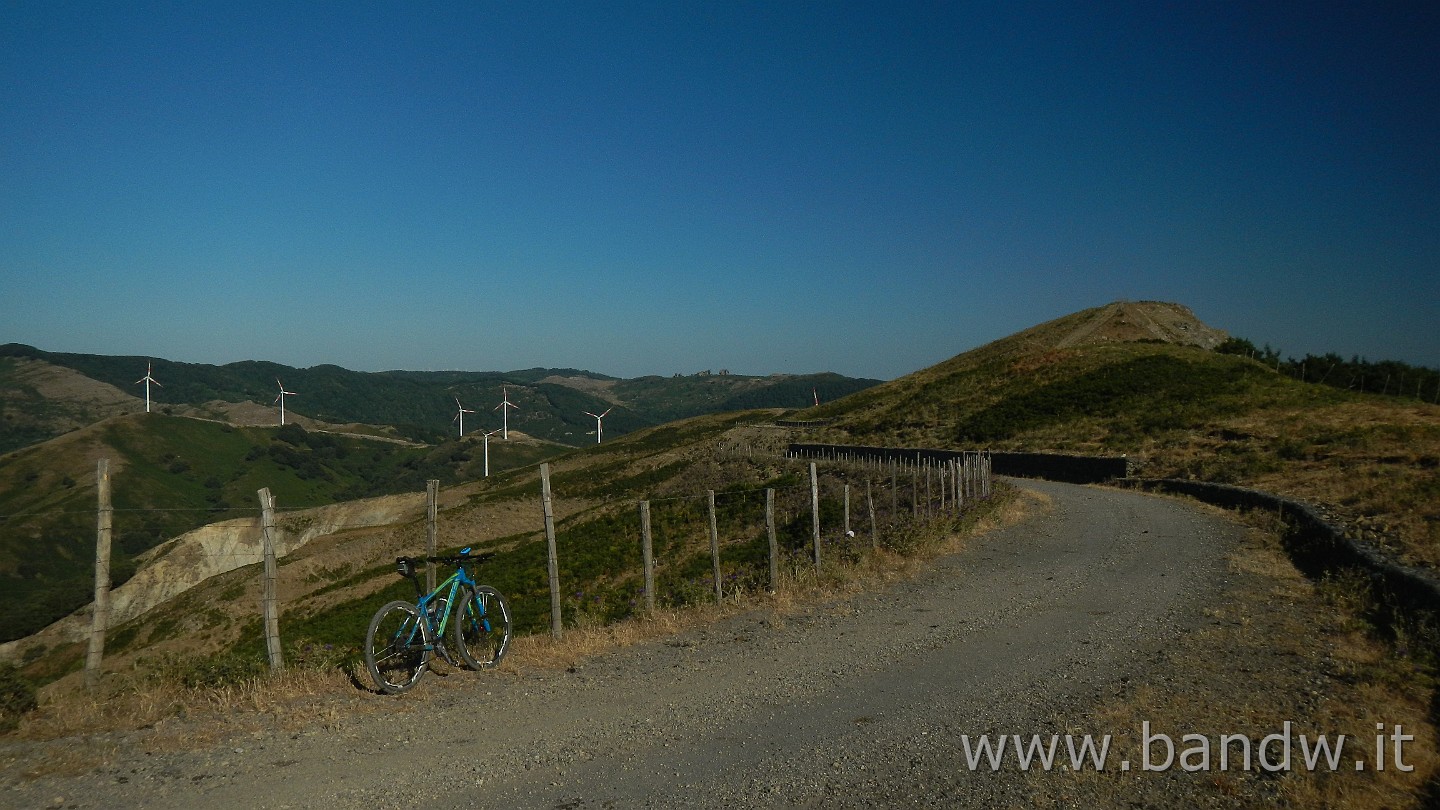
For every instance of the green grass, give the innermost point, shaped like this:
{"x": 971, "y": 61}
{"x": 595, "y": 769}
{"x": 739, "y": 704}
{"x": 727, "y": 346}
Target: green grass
{"x": 418, "y": 405}
{"x": 1136, "y": 396}
{"x": 172, "y": 474}
{"x": 600, "y": 562}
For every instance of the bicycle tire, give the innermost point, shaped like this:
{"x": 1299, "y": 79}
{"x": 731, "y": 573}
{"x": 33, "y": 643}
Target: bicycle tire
{"x": 482, "y": 627}
{"x": 396, "y": 653}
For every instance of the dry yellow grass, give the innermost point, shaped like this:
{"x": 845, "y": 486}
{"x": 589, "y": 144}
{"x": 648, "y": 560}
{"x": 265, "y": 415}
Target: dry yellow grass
{"x": 1372, "y": 462}
{"x": 1279, "y": 648}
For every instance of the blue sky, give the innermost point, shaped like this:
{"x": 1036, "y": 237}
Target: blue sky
{"x": 658, "y": 188}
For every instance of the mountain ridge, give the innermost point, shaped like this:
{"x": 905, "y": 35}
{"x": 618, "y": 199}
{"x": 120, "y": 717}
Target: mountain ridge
{"x": 414, "y": 405}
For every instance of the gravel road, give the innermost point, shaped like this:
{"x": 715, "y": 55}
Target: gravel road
{"x": 857, "y": 702}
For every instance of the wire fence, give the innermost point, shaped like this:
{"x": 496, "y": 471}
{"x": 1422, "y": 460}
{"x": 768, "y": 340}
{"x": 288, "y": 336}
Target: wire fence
{"x": 751, "y": 537}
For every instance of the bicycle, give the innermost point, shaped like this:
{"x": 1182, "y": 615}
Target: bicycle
{"x": 403, "y": 636}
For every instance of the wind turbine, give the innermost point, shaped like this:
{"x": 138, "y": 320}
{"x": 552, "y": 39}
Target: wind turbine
{"x": 598, "y": 417}
{"x": 147, "y": 379}
{"x": 281, "y": 398}
{"x": 461, "y": 415}
{"x": 487, "y": 451}
{"x": 504, "y": 409}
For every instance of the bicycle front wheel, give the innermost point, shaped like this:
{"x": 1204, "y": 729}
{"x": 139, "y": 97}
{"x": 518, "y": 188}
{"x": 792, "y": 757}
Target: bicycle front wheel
{"x": 396, "y": 652}
{"x": 482, "y": 627}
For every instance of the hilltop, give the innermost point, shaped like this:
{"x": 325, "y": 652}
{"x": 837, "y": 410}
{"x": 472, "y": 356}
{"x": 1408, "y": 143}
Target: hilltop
{"x": 1145, "y": 380}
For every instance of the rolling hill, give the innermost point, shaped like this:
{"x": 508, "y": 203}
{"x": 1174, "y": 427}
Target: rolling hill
{"x": 332, "y": 582}
{"x": 172, "y": 474}
{"x": 44, "y": 394}
{"x": 212, "y": 441}
{"x": 1143, "y": 379}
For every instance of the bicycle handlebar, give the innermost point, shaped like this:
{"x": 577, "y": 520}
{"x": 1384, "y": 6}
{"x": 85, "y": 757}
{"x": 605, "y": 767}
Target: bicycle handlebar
{"x": 405, "y": 566}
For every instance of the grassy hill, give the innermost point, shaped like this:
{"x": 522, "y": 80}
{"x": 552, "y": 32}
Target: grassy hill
{"x": 172, "y": 474}
{"x": 331, "y": 586}
{"x": 44, "y": 394}
{"x": 1143, "y": 379}
{"x": 1177, "y": 409}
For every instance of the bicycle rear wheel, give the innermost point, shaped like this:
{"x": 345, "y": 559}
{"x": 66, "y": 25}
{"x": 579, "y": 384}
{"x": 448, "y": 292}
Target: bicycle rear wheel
{"x": 482, "y": 627}
{"x": 396, "y": 652}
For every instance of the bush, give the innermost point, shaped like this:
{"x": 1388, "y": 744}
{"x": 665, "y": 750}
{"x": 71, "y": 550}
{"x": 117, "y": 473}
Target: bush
{"x": 17, "y": 697}
{"x": 215, "y": 671}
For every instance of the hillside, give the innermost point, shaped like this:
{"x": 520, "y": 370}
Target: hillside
{"x": 44, "y": 394}
{"x": 40, "y": 400}
{"x": 212, "y": 441}
{"x": 339, "y": 564}
{"x": 172, "y": 474}
{"x": 1141, "y": 379}
{"x": 1134, "y": 378}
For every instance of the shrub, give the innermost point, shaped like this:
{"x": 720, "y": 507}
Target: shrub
{"x": 17, "y": 697}
{"x": 215, "y": 671}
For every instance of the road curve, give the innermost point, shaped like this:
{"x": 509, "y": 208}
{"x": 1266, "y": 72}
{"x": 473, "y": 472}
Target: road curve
{"x": 860, "y": 702}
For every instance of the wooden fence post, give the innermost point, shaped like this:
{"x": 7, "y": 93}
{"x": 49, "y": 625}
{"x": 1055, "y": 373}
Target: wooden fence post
{"x": 432, "y": 509}
{"x": 647, "y": 555}
{"x": 915, "y": 489}
{"x": 929, "y": 495}
{"x": 977, "y": 475}
{"x": 101, "y": 616}
{"x": 269, "y": 609}
{"x": 552, "y": 561}
{"x": 847, "y": 510}
{"x": 870, "y": 507}
{"x": 714, "y": 544}
{"x": 815, "y": 513}
{"x": 770, "y": 534}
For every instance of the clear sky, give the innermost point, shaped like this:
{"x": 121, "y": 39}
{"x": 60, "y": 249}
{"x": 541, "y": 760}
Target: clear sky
{"x": 666, "y": 187}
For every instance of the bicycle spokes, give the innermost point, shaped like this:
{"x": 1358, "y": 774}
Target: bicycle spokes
{"x": 396, "y": 652}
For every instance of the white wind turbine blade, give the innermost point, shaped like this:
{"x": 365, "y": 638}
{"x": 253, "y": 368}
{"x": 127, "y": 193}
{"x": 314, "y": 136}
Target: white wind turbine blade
{"x": 504, "y": 409}
{"x": 148, "y": 379}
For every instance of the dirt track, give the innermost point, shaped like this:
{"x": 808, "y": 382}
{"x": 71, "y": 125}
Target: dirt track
{"x": 861, "y": 702}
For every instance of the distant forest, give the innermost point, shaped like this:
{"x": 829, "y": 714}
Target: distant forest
{"x": 1385, "y": 377}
